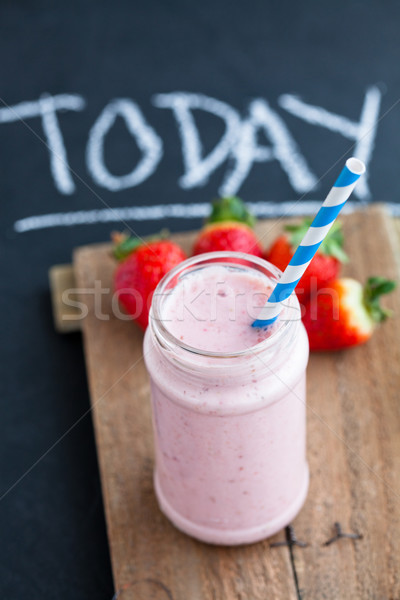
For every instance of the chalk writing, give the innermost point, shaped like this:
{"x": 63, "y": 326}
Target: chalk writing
{"x": 158, "y": 212}
{"x": 363, "y": 132}
{"x": 238, "y": 147}
{"x": 283, "y": 149}
{"x": 148, "y": 141}
{"x": 46, "y": 108}
{"x": 199, "y": 168}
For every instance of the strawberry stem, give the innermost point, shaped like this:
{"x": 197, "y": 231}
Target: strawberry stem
{"x": 373, "y": 290}
{"x": 231, "y": 208}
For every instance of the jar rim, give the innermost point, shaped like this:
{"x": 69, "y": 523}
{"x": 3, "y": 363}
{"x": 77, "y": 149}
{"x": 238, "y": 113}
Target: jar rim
{"x": 164, "y": 336}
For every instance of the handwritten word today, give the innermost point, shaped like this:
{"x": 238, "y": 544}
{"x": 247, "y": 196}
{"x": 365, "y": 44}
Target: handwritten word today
{"x": 238, "y": 146}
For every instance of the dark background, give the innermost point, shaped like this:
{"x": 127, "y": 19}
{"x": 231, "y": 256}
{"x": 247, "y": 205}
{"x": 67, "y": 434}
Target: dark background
{"x": 51, "y": 514}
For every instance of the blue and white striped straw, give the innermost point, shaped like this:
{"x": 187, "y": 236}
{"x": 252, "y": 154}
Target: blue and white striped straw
{"x": 320, "y": 226}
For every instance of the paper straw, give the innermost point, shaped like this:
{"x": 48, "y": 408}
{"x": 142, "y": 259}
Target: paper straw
{"x": 319, "y": 228}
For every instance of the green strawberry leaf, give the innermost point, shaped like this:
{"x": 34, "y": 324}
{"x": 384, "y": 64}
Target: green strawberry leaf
{"x": 124, "y": 244}
{"x": 373, "y": 290}
{"x": 379, "y": 285}
{"x": 230, "y": 209}
{"x": 332, "y": 245}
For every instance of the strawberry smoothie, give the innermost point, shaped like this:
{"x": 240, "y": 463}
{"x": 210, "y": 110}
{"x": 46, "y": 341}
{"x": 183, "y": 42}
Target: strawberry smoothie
{"x": 228, "y": 401}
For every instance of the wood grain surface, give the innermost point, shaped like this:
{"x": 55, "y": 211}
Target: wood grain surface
{"x": 353, "y": 451}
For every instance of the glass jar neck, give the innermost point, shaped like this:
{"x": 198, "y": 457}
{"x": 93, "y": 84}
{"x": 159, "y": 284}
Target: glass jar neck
{"x": 195, "y": 362}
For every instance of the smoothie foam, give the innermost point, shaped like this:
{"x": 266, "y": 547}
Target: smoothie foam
{"x": 213, "y": 308}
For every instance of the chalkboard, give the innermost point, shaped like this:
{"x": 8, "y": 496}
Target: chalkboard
{"x": 135, "y": 115}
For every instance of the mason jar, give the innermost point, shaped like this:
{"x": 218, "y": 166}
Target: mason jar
{"x": 229, "y": 427}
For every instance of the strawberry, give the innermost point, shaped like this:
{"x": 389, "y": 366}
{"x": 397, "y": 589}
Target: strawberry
{"x": 229, "y": 227}
{"x": 325, "y": 265}
{"x": 345, "y": 313}
{"x": 143, "y": 266}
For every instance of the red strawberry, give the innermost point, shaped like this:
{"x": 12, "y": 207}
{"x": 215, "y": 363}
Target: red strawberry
{"x": 141, "y": 269}
{"x": 345, "y": 313}
{"x": 229, "y": 227}
{"x": 325, "y": 265}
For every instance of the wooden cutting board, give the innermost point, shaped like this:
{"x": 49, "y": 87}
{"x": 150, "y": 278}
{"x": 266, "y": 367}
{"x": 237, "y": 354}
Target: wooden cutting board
{"x": 353, "y": 452}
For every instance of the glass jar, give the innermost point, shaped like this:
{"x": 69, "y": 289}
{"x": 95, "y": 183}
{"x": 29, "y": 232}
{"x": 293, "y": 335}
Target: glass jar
{"x": 229, "y": 428}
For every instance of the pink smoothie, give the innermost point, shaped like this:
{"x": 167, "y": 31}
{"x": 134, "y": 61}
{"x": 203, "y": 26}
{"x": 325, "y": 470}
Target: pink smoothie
{"x": 229, "y": 431}
{"x": 213, "y": 309}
